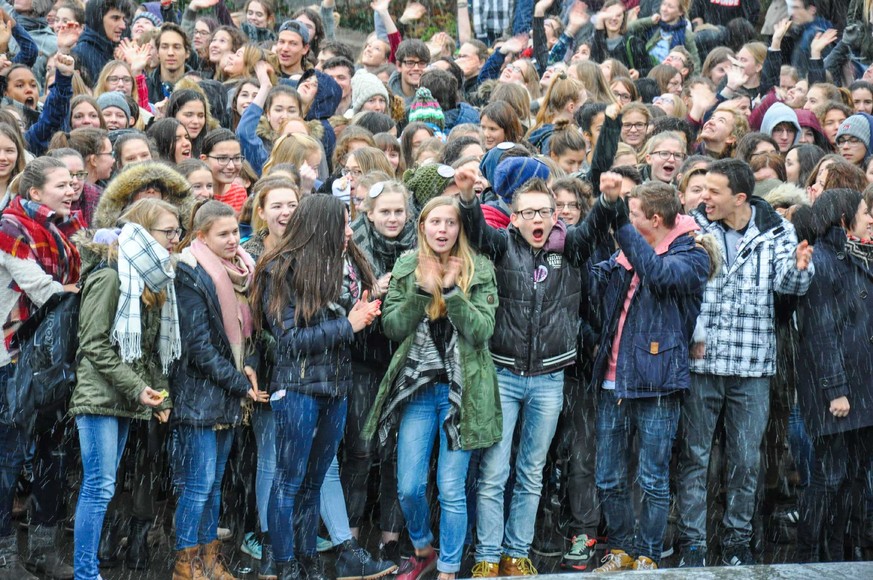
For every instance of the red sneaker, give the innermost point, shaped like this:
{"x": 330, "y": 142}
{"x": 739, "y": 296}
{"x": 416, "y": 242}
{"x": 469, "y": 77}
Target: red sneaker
{"x": 417, "y": 566}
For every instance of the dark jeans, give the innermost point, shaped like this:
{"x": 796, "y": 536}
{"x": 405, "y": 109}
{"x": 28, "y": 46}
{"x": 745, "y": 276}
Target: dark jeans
{"x": 580, "y": 412}
{"x": 200, "y": 457}
{"x": 49, "y": 464}
{"x": 655, "y": 421}
{"x": 308, "y": 432}
{"x": 745, "y": 403}
{"x": 357, "y": 457}
{"x": 827, "y": 503}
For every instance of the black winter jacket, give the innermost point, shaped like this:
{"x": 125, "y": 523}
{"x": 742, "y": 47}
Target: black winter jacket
{"x": 537, "y": 323}
{"x": 314, "y": 359}
{"x": 205, "y": 386}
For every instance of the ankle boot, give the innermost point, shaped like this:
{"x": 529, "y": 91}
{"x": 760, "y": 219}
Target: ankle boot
{"x": 290, "y": 570}
{"x": 213, "y": 562}
{"x": 43, "y": 557}
{"x": 11, "y": 567}
{"x": 189, "y": 566}
{"x": 267, "y": 569}
{"x": 137, "y": 557}
{"x": 313, "y": 568}
{"x": 109, "y": 550}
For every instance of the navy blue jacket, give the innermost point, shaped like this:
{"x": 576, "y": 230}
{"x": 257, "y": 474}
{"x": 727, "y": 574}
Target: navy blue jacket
{"x": 205, "y": 385}
{"x": 653, "y": 352}
{"x": 92, "y": 51}
{"x": 835, "y": 347}
{"x": 315, "y": 359}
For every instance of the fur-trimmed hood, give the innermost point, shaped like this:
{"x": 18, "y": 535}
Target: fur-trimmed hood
{"x": 134, "y": 178}
{"x": 786, "y": 195}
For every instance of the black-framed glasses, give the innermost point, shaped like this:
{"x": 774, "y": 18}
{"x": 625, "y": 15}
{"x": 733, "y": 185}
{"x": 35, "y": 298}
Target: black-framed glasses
{"x": 543, "y": 212}
{"x": 223, "y": 160}
{"x": 848, "y": 140}
{"x": 635, "y": 126}
{"x": 170, "y": 233}
{"x": 414, "y": 63}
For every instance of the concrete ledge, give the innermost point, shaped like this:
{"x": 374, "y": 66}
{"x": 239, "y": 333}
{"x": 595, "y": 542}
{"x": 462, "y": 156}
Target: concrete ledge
{"x": 840, "y": 570}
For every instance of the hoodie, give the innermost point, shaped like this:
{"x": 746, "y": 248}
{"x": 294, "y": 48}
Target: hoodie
{"x": 94, "y": 49}
{"x": 323, "y": 107}
{"x": 780, "y": 113}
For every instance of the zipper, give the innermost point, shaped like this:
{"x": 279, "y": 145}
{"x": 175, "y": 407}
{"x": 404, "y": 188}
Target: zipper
{"x": 303, "y": 369}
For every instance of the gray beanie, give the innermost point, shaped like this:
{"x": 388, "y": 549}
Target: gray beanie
{"x": 365, "y": 86}
{"x": 857, "y": 126}
{"x": 114, "y": 99}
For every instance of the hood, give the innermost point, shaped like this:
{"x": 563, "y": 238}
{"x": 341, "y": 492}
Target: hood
{"x": 93, "y": 252}
{"x": 539, "y": 138}
{"x": 463, "y": 114}
{"x": 779, "y": 113}
{"x": 786, "y": 195}
{"x": 327, "y": 99}
{"x": 98, "y": 38}
{"x": 808, "y": 120}
{"x": 117, "y": 195}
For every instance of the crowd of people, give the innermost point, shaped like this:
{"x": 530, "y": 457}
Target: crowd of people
{"x": 609, "y": 260}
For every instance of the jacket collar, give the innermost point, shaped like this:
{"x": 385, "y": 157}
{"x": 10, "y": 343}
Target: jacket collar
{"x": 765, "y": 218}
{"x": 684, "y": 225}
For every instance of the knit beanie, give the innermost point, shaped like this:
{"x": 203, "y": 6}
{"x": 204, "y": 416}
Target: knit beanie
{"x": 428, "y": 181}
{"x": 156, "y": 20}
{"x": 858, "y": 126}
{"x": 488, "y": 165}
{"x": 114, "y": 99}
{"x": 426, "y": 109}
{"x": 514, "y": 172}
{"x": 365, "y": 86}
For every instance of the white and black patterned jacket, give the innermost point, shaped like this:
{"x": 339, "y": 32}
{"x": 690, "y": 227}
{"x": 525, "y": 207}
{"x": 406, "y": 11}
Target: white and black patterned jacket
{"x": 738, "y": 313}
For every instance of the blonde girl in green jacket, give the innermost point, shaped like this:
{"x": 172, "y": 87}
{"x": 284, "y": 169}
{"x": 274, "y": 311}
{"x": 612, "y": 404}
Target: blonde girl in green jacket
{"x": 128, "y": 338}
{"x": 440, "y": 306}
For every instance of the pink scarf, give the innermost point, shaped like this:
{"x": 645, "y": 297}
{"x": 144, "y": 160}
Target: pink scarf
{"x": 232, "y": 281}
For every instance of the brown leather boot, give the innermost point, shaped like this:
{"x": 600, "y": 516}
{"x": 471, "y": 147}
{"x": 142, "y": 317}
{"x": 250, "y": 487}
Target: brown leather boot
{"x": 189, "y": 566}
{"x": 213, "y": 562}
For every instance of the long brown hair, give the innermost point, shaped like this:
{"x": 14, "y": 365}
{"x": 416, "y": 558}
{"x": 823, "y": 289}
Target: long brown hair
{"x": 309, "y": 262}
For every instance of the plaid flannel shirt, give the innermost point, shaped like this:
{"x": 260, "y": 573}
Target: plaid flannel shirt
{"x": 491, "y": 17}
{"x": 738, "y": 313}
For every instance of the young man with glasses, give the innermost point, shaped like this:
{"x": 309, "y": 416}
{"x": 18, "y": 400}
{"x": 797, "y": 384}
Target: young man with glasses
{"x": 537, "y": 260}
{"x": 854, "y": 138}
{"x": 413, "y": 57}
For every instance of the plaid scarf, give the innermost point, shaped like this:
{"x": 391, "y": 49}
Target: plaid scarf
{"x": 422, "y": 366}
{"x": 142, "y": 262}
{"x": 29, "y": 231}
{"x": 861, "y": 249}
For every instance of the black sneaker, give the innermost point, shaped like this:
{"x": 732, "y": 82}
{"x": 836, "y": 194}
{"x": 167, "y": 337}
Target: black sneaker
{"x": 693, "y": 557}
{"x": 356, "y": 563}
{"x": 390, "y": 552}
{"x": 737, "y": 556}
{"x": 312, "y": 568}
{"x": 580, "y": 556}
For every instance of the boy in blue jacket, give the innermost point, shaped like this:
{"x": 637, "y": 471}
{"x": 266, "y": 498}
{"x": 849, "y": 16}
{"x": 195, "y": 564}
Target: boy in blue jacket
{"x": 651, "y": 294}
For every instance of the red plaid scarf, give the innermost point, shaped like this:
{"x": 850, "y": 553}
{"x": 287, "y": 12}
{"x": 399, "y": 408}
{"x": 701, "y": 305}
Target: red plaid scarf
{"x": 29, "y": 231}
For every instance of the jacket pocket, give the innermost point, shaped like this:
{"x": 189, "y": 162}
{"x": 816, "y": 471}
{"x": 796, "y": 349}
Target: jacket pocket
{"x": 656, "y": 361}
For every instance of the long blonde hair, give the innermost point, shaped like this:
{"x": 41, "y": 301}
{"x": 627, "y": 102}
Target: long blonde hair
{"x": 437, "y": 307}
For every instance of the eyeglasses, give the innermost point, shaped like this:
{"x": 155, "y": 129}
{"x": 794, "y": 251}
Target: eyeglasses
{"x": 543, "y": 212}
{"x": 170, "y": 233}
{"x": 223, "y": 160}
{"x": 202, "y": 33}
{"x": 116, "y": 79}
{"x": 665, "y": 155}
{"x": 634, "y": 126}
{"x": 561, "y": 205}
{"x": 80, "y": 175}
{"x": 354, "y": 172}
{"x": 623, "y": 97}
{"x": 848, "y": 140}
{"x": 414, "y": 63}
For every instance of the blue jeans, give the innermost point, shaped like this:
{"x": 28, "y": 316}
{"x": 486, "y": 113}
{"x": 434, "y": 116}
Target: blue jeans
{"x": 800, "y": 445}
{"x": 102, "y": 439}
{"x": 308, "y": 432}
{"x": 264, "y": 426}
{"x": 333, "y": 505}
{"x": 423, "y": 417}
{"x": 655, "y": 421}
{"x": 200, "y": 457}
{"x": 746, "y": 406}
{"x": 537, "y": 400}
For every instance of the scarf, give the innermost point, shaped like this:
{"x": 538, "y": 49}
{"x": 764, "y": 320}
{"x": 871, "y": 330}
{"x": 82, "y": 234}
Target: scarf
{"x": 676, "y": 32}
{"x": 29, "y": 231}
{"x": 232, "y": 281}
{"x": 143, "y": 262}
{"x": 861, "y": 249}
{"x": 382, "y": 252}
